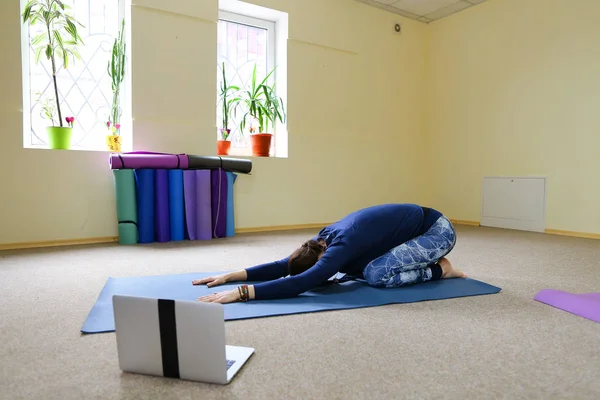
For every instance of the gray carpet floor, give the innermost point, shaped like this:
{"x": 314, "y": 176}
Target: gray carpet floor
{"x": 501, "y": 346}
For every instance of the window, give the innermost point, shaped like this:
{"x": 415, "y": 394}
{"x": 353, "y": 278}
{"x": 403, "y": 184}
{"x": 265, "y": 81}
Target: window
{"x": 250, "y": 35}
{"x": 243, "y": 42}
{"x": 85, "y": 89}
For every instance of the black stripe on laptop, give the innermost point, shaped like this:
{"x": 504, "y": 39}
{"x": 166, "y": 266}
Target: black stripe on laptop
{"x": 168, "y": 338}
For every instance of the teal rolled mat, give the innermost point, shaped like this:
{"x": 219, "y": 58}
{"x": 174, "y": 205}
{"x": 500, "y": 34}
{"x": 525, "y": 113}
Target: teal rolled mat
{"x": 126, "y": 205}
{"x": 230, "y": 230}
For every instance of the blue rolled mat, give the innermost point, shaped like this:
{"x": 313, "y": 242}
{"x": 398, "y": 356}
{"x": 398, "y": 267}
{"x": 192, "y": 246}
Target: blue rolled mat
{"x": 203, "y": 205}
{"x": 230, "y": 230}
{"x": 145, "y": 204}
{"x": 176, "y": 205}
{"x": 191, "y": 204}
{"x": 124, "y": 180}
{"x": 347, "y": 295}
{"x": 161, "y": 196}
{"x": 219, "y": 202}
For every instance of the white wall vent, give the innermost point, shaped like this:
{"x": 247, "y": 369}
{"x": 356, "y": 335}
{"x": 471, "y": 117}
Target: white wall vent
{"x": 514, "y": 203}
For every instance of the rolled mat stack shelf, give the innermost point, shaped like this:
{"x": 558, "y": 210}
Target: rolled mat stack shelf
{"x": 164, "y": 197}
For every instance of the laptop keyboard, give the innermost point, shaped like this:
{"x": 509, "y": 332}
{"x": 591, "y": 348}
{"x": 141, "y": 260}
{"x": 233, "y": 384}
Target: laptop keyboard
{"x": 230, "y": 363}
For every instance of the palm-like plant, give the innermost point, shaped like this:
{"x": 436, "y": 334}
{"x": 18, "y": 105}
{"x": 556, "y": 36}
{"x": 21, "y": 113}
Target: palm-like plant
{"x": 261, "y": 103}
{"x": 59, "y": 39}
{"x": 226, "y": 104}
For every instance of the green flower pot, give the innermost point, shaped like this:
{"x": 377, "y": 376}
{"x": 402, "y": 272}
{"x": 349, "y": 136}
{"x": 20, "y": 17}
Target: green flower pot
{"x": 59, "y": 137}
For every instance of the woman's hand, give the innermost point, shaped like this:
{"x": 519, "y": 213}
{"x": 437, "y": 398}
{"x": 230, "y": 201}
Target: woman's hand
{"x": 211, "y": 281}
{"x": 222, "y": 279}
{"x": 228, "y": 296}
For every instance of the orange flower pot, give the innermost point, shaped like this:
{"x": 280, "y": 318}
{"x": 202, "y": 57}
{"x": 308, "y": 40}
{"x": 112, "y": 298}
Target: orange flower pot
{"x": 223, "y": 147}
{"x": 261, "y": 144}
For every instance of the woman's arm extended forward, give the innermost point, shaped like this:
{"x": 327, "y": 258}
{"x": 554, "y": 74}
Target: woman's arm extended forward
{"x": 268, "y": 271}
{"x": 262, "y": 272}
{"x": 328, "y": 265}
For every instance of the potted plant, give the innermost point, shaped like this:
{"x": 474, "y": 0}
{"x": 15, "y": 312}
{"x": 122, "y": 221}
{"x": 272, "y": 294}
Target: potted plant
{"x": 116, "y": 72}
{"x": 263, "y": 106}
{"x": 224, "y": 145}
{"x": 58, "y": 42}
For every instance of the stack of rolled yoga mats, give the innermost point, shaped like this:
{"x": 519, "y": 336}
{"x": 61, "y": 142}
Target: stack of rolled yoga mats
{"x": 172, "y": 197}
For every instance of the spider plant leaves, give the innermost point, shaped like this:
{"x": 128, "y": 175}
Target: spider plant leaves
{"x": 261, "y": 102}
{"x": 258, "y": 101}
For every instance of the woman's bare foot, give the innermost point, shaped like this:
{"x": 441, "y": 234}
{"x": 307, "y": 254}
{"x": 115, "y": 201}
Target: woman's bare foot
{"x": 448, "y": 271}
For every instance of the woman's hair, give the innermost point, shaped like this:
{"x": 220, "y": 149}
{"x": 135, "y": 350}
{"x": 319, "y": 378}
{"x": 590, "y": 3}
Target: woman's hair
{"x": 306, "y": 256}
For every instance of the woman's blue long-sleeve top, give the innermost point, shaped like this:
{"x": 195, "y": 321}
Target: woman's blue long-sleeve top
{"x": 352, "y": 243}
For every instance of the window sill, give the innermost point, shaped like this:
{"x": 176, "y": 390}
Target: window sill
{"x": 247, "y": 152}
{"x": 95, "y": 146}
{"x": 85, "y": 149}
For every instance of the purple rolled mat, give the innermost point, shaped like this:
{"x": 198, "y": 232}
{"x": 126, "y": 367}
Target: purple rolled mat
{"x": 161, "y": 213}
{"x": 586, "y": 305}
{"x": 219, "y": 188}
{"x": 145, "y": 159}
{"x": 191, "y": 205}
{"x": 203, "y": 205}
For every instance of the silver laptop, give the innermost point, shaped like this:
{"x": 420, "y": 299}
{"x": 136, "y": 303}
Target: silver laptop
{"x": 175, "y": 339}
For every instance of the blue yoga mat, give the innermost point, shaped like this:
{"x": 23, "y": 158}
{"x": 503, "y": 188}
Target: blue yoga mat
{"x": 218, "y": 189}
{"x": 347, "y": 295}
{"x": 230, "y": 229}
{"x": 161, "y": 205}
{"x": 190, "y": 204}
{"x": 176, "y": 204}
{"x": 203, "y": 205}
{"x": 144, "y": 179}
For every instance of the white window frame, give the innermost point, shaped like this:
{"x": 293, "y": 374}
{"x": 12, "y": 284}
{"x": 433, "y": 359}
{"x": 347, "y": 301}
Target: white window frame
{"x": 126, "y": 133}
{"x": 258, "y": 23}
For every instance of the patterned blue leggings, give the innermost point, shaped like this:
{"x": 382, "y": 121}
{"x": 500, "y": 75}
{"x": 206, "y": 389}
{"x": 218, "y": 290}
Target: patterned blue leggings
{"x": 410, "y": 262}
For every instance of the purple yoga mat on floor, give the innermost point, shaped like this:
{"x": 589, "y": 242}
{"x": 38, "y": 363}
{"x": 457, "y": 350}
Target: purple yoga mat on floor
{"x": 190, "y": 206}
{"x": 146, "y": 159}
{"x": 219, "y": 188}
{"x": 161, "y": 205}
{"x": 203, "y": 214}
{"x": 586, "y": 305}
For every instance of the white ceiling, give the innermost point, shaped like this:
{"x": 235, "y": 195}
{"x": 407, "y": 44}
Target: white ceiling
{"x": 423, "y": 10}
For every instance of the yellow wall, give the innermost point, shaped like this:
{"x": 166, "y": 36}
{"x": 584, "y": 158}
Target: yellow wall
{"x": 509, "y": 87}
{"x": 356, "y": 118}
{"x": 513, "y": 88}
